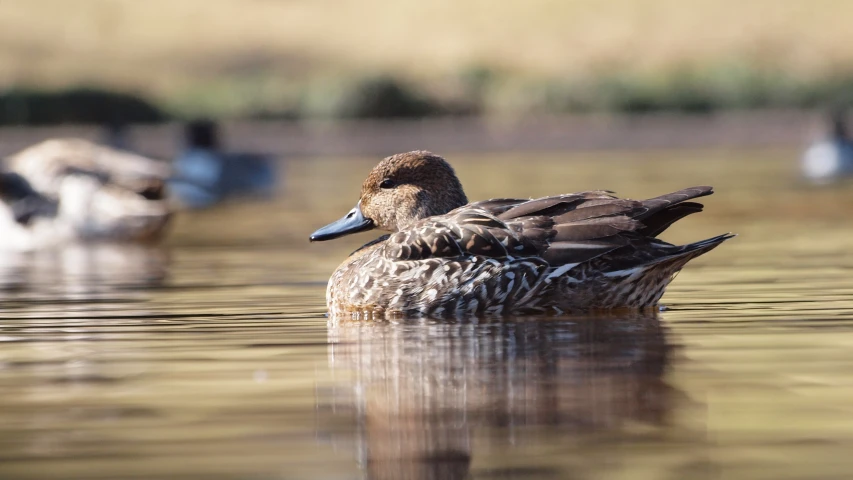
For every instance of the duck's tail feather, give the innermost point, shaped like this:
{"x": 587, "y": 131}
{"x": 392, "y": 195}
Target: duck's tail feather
{"x": 667, "y": 209}
{"x": 691, "y": 250}
{"x": 663, "y": 219}
{"x": 677, "y": 197}
{"x": 643, "y": 285}
{"x": 708, "y": 244}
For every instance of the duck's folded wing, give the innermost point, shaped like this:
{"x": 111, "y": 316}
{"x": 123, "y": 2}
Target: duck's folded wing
{"x": 503, "y": 228}
{"x": 561, "y": 230}
{"x": 475, "y": 232}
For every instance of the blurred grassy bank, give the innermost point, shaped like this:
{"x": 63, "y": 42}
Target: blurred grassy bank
{"x": 384, "y": 58}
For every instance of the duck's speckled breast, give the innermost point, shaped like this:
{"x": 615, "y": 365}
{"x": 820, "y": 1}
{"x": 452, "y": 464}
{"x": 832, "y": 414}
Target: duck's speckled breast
{"x": 369, "y": 283}
{"x": 353, "y": 286}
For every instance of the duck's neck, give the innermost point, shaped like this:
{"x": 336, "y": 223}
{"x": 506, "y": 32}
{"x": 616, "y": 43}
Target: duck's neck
{"x": 425, "y": 210}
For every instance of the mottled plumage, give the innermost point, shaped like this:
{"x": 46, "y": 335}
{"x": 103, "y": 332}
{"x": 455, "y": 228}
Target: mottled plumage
{"x": 573, "y": 252}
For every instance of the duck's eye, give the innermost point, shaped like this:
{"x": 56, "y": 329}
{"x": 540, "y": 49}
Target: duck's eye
{"x": 387, "y": 183}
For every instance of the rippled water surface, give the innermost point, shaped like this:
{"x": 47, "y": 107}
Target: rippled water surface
{"x": 211, "y": 357}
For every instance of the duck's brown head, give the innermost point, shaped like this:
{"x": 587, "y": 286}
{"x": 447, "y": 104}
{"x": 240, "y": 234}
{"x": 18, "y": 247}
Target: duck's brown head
{"x": 399, "y": 191}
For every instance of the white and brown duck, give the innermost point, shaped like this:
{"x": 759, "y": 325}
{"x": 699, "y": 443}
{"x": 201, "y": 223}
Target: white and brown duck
{"x": 71, "y": 189}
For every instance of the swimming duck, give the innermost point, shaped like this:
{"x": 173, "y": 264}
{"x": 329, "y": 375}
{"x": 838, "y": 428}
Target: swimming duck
{"x": 72, "y": 189}
{"x": 446, "y": 257}
{"x": 832, "y": 157}
{"x": 204, "y": 174}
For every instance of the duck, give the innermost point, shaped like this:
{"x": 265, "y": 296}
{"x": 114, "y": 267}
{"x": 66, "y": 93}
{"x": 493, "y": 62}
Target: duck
{"x": 70, "y": 189}
{"x": 445, "y": 257}
{"x": 206, "y": 175}
{"x": 831, "y": 158}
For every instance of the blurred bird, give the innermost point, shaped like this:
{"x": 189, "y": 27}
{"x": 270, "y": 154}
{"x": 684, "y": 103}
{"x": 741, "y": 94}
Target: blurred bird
{"x": 72, "y": 189}
{"x": 831, "y": 158}
{"x": 205, "y": 175}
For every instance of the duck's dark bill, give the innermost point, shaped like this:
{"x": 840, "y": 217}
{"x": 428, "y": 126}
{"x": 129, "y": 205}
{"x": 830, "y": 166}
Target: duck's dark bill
{"x": 353, "y": 222}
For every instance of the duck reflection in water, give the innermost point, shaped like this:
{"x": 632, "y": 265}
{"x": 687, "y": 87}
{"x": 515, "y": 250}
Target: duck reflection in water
{"x": 101, "y": 271}
{"x": 426, "y": 394}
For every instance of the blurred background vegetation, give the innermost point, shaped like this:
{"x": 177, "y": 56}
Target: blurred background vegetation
{"x": 130, "y": 61}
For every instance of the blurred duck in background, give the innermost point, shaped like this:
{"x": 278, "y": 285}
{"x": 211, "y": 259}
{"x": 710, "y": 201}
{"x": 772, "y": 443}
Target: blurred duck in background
{"x": 62, "y": 190}
{"x": 205, "y": 175}
{"x": 831, "y": 158}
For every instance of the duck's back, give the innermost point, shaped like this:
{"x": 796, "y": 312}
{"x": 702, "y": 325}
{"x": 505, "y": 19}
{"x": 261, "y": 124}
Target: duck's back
{"x": 569, "y": 252}
{"x": 97, "y": 192}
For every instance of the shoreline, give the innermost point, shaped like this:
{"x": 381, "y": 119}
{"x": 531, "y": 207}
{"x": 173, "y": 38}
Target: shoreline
{"x": 745, "y": 129}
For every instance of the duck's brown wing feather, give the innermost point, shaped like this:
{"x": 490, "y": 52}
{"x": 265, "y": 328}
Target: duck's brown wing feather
{"x": 667, "y": 209}
{"x": 563, "y": 229}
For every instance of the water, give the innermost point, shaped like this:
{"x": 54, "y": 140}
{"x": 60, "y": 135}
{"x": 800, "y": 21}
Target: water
{"x": 211, "y": 357}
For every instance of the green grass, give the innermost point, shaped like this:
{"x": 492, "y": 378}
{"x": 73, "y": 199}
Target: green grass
{"x": 473, "y": 92}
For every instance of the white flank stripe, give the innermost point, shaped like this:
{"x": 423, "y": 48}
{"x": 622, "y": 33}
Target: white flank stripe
{"x": 624, "y": 273}
{"x": 563, "y": 269}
